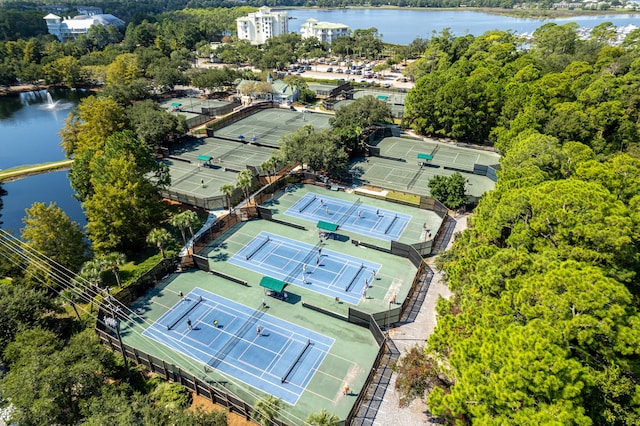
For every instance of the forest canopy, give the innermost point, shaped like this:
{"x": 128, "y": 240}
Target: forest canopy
{"x": 543, "y": 326}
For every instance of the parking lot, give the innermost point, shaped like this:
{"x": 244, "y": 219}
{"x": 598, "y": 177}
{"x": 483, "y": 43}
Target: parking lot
{"x": 392, "y": 78}
{"x": 389, "y": 78}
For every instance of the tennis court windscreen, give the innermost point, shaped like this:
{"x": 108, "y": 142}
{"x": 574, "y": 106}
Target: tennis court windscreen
{"x": 194, "y": 303}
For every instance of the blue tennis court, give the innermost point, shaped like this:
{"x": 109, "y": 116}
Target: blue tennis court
{"x": 313, "y": 267}
{"x": 356, "y": 217}
{"x": 247, "y": 344}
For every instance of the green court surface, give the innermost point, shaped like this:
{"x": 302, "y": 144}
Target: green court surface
{"x": 350, "y": 358}
{"x": 194, "y": 176}
{"x": 193, "y": 104}
{"x": 398, "y": 166}
{"x": 269, "y": 125}
{"x": 388, "y": 96}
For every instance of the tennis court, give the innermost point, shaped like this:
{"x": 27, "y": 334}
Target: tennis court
{"x": 268, "y": 126}
{"x": 356, "y": 217}
{"x": 443, "y": 154}
{"x": 191, "y": 174}
{"x": 388, "y": 96}
{"x": 312, "y": 267}
{"x": 249, "y": 345}
{"x": 398, "y": 166}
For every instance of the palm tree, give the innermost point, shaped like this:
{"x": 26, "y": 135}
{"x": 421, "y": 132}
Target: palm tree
{"x": 159, "y": 237}
{"x": 267, "y": 409}
{"x": 91, "y": 272}
{"x": 71, "y": 297}
{"x": 244, "y": 180}
{"x": 190, "y": 219}
{"x": 227, "y": 190}
{"x": 323, "y": 418}
{"x": 179, "y": 221}
{"x": 112, "y": 262}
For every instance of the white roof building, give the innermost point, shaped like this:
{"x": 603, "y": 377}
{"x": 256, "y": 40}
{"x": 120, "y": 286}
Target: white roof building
{"x": 260, "y": 26}
{"x": 323, "y": 31}
{"x": 70, "y": 28}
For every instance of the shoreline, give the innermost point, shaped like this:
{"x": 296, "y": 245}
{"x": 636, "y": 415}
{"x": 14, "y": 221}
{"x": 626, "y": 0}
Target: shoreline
{"x": 17, "y": 173}
{"x": 516, "y": 13}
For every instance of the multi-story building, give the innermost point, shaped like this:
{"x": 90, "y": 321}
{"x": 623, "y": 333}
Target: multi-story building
{"x": 323, "y": 31}
{"x": 260, "y": 26}
{"x": 70, "y": 28}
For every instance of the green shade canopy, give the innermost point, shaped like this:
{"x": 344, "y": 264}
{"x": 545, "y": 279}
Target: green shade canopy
{"x": 204, "y": 158}
{"x": 382, "y": 97}
{"x": 327, "y": 226}
{"x": 175, "y": 104}
{"x": 272, "y": 284}
{"x": 425, "y": 157}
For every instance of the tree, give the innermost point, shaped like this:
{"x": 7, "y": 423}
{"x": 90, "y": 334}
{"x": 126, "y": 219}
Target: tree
{"x": 123, "y": 70}
{"x": 90, "y": 124}
{"x": 352, "y": 119}
{"x": 266, "y": 410}
{"x": 449, "y": 190}
{"x": 125, "y": 203}
{"x": 159, "y": 237}
{"x": 184, "y": 220}
{"x": 112, "y": 262}
{"x": 50, "y": 232}
{"x": 61, "y": 376}
{"x": 21, "y": 309}
{"x": 244, "y": 181}
{"x": 323, "y": 418}
{"x": 154, "y": 125}
{"x": 71, "y": 297}
{"x": 228, "y": 189}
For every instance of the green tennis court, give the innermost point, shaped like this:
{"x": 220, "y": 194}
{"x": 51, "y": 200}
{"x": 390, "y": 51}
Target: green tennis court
{"x": 407, "y": 165}
{"x": 268, "y": 126}
{"x": 192, "y": 173}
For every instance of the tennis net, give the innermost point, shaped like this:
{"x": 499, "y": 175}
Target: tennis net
{"x": 235, "y": 339}
{"x": 386, "y": 231}
{"x": 353, "y": 280}
{"x": 253, "y": 253}
{"x": 303, "y": 208}
{"x": 195, "y": 303}
{"x": 298, "y": 358}
{"x": 353, "y": 207}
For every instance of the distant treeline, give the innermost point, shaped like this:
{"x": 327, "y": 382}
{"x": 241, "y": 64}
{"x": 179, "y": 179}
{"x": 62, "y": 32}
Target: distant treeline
{"x": 21, "y": 19}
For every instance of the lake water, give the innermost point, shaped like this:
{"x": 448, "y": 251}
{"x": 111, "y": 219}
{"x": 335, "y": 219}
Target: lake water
{"x": 402, "y": 26}
{"x": 29, "y": 135}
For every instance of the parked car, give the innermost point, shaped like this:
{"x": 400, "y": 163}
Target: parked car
{"x": 339, "y": 71}
{"x": 387, "y": 85}
{"x": 329, "y": 69}
{"x": 347, "y": 71}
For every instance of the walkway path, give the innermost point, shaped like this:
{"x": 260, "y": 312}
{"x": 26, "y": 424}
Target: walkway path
{"x": 411, "y": 334}
{"x": 24, "y": 171}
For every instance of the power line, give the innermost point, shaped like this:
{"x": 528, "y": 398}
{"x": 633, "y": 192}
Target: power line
{"x": 87, "y": 292}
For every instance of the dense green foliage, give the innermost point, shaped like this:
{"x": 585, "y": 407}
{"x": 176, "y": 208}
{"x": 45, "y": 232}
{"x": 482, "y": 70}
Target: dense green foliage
{"x": 544, "y": 325}
{"x": 489, "y": 88}
{"x": 449, "y": 190}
